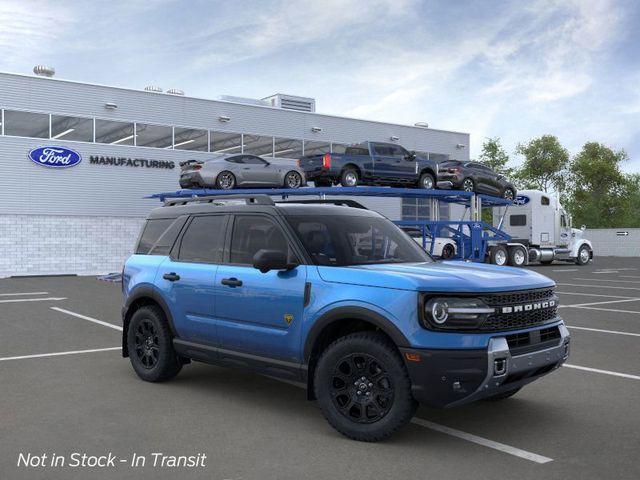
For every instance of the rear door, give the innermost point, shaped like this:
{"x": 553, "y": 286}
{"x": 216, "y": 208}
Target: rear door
{"x": 259, "y": 313}
{"x": 187, "y": 277}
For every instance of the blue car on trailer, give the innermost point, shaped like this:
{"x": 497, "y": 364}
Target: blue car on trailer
{"x": 337, "y": 297}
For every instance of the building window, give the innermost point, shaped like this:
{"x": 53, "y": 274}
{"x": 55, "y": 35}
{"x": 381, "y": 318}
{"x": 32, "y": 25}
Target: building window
{"x": 316, "y": 148}
{"x": 258, "y": 145}
{"x": 190, "y": 139}
{"x": 438, "y": 157}
{"x": 26, "y": 124}
{"x": 287, "y": 148}
{"x": 225, "y": 142}
{"x": 115, "y": 133}
{"x": 157, "y": 136}
{"x": 71, "y": 128}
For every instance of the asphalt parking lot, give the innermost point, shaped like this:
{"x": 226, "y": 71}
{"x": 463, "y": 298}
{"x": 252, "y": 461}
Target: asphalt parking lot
{"x": 64, "y": 387}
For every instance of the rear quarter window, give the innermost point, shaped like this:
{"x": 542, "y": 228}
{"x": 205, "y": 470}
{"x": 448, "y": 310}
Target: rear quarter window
{"x": 151, "y": 232}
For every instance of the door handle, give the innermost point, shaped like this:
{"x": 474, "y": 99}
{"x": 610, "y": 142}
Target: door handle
{"x": 231, "y": 282}
{"x": 172, "y": 277}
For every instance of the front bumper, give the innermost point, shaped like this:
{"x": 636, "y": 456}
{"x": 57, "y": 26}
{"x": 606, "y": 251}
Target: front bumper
{"x": 449, "y": 378}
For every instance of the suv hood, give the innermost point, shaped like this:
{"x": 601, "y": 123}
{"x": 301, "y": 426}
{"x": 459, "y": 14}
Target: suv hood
{"x": 453, "y": 276}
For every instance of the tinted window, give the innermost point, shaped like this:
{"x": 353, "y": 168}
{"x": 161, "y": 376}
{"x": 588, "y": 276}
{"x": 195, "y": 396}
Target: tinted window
{"x": 354, "y": 240}
{"x": 238, "y": 159}
{"x": 72, "y": 128}
{"x": 287, "y": 148}
{"x": 518, "y": 220}
{"x": 225, "y": 142}
{"x": 115, "y": 133}
{"x": 258, "y": 145}
{"x": 382, "y": 150}
{"x": 252, "y": 160}
{"x": 157, "y": 136}
{"x": 204, "y": 240}
{"x": 252, "y": 233}
{"x": 151, "y": 233}
{"x": 167, "y": 239}
{"x": 357, "y": 151}
{"x": 190, "y": 139}
{"x": 26, "y": 124}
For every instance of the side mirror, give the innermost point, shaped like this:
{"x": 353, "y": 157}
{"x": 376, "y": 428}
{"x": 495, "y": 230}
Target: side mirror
{"x": 265, "y": 260}
{"x": 410, "y": 156}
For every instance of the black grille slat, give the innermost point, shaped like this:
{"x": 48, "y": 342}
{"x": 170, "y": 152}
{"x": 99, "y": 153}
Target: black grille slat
{"x": 528, "y": 342}
{"x": 511, "y": 321}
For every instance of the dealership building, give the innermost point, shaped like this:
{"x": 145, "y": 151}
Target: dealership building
{"x": 127, "y": 144}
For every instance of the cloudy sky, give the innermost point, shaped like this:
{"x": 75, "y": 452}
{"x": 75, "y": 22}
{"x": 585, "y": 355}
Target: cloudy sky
{"x": 492, "y": 68}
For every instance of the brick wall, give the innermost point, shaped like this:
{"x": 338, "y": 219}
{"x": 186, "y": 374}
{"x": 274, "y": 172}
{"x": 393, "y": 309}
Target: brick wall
{"x": 611, "y": 242}
{"x": 53, "y": 245}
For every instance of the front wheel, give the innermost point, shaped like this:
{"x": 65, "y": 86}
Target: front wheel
{"x": 427, "y": 181}
{"x": 293, "y": 180}
{"x": 363, "y": 387}
{"x": 584, "y": 255}
{"x": 150, "y": 346}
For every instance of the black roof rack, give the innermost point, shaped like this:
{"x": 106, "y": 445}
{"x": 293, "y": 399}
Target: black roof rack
{"x": 336, "y": 201}
{"x": 249, "y": 199}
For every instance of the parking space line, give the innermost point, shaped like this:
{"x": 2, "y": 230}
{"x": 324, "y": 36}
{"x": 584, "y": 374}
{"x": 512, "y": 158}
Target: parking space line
{"x": 89, "y": 319}
{"x": 597, "y": 286}
{"x": 592, "y": 295}
{"x": 607, "y": 280}
{"x": 606, "y": 372}
{"x": 615, "y": 332}
{"x": 57, "y": 354}
{"x": 599, "y": 303}
{"x": 18, "y": 294}
{"x": 567, "y": 270}
{"x": 46, "y": 299}
{"x": 534, "y": 457}
{"x": 609, "y": 310}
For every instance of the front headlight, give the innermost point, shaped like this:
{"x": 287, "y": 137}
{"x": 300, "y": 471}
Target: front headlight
{"x": 455, "y": 313}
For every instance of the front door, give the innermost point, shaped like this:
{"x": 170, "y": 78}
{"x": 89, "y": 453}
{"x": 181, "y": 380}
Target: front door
{"x": 260, "y": 313}
{"x": 187, "y": 278}
{"x": 260, "y": 172}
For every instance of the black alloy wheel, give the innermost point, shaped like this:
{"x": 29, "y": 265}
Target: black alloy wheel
{"x": 508, "y": 194}
{"x": 146, "y": 341}
{"x": 226, "y": 181}
{"x": 448, "y": 251}
{"x": 361, "y": 388}
{"x": 293, "y": 180}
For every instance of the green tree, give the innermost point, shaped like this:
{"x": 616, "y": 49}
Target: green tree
{"x": 545, "y": 164}
{"x": 600, "y": 194}
{"x": 495, "y": 157}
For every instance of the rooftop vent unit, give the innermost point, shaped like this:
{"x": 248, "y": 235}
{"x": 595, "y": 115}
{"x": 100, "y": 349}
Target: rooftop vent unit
{"x": 153, "y": 88}
{"x": 244, "y": 100}
{"x": 44, "y": 71}
{"x": 291, "y": 102}
{"x": 175, "y": 91}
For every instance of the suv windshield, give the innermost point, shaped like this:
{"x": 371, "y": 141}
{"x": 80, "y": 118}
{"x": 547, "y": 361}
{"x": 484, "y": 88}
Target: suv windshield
{"x": 355, "y": 240}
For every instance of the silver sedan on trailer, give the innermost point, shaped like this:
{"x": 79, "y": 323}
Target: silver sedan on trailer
{"x": 241, "y": 170}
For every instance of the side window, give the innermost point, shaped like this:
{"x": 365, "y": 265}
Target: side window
{"x": 252, "y": 233}
{"x": 151, "y": 233}
{"x": 544, "y": 201}
{"x": 398, "y": 151}
{"x": 203, "y": 241}
{"x": 238, "y": 159}
{"x": 318, "y": 242}
{"x": 382, "y": 150}
{"x": 167, "y": 239}
{"x": 563, "y": 221}
{"x": 253, "y": 160}
{"x": 518, "y": 220}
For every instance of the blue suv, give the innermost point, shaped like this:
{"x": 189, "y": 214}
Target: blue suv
{"x": 337, "y": 297}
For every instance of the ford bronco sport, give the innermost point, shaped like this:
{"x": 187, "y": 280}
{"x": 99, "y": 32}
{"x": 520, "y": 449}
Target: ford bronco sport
{"x": 339, "y": 298}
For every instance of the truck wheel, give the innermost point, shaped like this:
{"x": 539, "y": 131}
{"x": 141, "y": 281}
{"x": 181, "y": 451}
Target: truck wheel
{"x": 426, "y": 181}
{"x": 448, "y": 251}
{"x": 349, "y": 178}
{"x": 499, "y": 255}
{"x": 363, "y": 387}
{"x": 150, "y": 346}
{"x": 468, "y": 185}
{"x": 584, "y": 255}
{"x": 517, "y": 257}
{"x": 503, "y": 395}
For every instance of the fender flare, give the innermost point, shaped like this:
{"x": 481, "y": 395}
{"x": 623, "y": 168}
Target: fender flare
{"x": 578, "y": 244}
{"x": 355, "y": 313}
{"x": 143, "y": 291}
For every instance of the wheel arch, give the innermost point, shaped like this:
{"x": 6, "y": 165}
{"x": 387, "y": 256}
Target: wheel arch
{"x": 430, "y": 171}
{"x": 354, "y": 166}
{"x": 142, "y": 297}
{"x": 339, "y": 322}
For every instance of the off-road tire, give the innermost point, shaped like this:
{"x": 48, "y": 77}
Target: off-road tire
{"x": 379, "y": 355}
{"x": 167, "y": 363}
{"x": 503, "y": 395}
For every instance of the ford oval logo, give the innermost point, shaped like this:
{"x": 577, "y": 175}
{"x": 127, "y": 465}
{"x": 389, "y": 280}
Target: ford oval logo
{"x": 521, "y": 200}
{"x": 55, "y": 157}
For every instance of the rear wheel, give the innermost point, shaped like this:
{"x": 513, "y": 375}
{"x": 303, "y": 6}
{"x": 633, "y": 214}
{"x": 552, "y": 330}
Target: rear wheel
{"x": 150, "y": 345}
{"x": 468, "y": 185}
{"x": 293, "y": 180}
{"x": 584, "y": 255}
{"x": 363, "y": 387}
{"x": 517, "y": 256}
{"x": 226, "y": 180}
{"x": 427, "y": 181}
{"x": 349, "y": 178}
{"x": 499, "y": 255}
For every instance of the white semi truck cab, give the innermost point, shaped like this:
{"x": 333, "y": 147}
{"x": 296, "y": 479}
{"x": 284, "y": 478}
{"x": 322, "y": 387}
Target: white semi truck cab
{"x": 540, "y": 231}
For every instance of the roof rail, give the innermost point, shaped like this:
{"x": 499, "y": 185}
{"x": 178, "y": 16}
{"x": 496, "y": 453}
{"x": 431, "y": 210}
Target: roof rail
{"x": 249, "y": 199}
